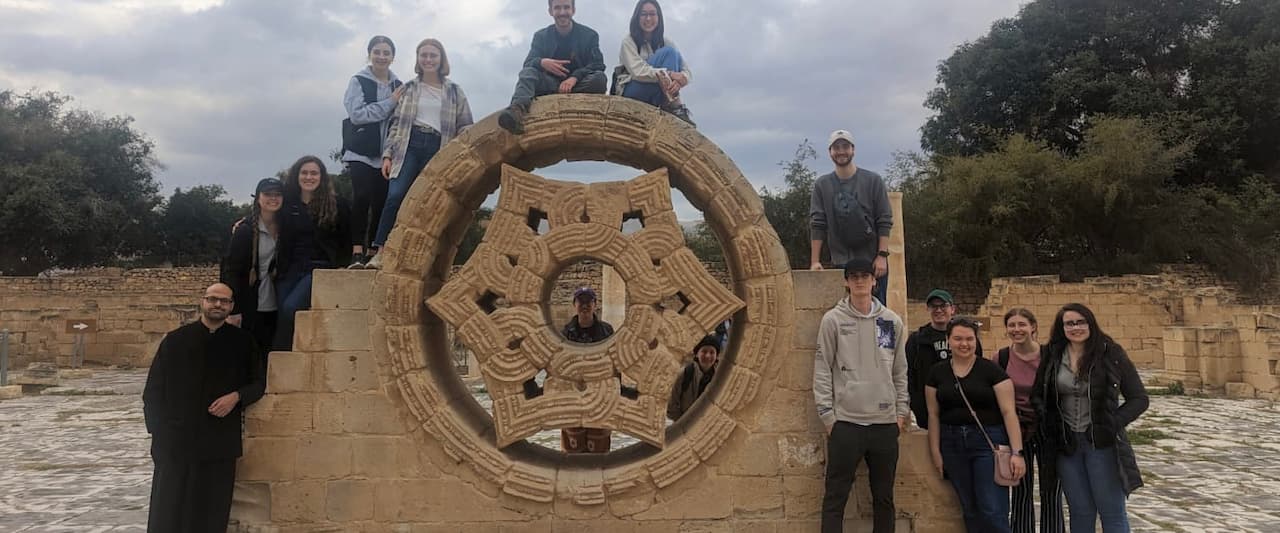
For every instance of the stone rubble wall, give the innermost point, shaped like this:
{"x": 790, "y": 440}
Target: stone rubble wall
{"x": 1184, "y": 322}
{"x": 133, "y": 310}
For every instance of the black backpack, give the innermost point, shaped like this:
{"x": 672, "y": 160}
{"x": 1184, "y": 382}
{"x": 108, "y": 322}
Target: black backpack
{"x": 365, "y": 139}
{"x": 1002, "y": 357}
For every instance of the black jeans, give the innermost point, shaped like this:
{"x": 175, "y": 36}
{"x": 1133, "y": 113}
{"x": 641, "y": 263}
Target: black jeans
{"x": 536, "y": 82}
{"x": 848, "y": 445}
{"x": 369, "y": 193}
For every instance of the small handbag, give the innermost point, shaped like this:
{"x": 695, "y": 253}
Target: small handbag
{"x": 1003, "y": 454}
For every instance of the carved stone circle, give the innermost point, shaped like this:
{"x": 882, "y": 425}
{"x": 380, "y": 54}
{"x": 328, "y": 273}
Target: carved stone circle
{"x": 416, "y": 298}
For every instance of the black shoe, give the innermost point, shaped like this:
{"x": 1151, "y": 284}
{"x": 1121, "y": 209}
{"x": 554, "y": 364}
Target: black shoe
{"x": 512, "y": 119}
{"x": 357, "y": 261}
{"x": 681, "y": 112}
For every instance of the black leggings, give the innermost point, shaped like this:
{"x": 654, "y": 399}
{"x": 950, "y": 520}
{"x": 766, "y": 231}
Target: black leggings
{"x": 369, "y": 190}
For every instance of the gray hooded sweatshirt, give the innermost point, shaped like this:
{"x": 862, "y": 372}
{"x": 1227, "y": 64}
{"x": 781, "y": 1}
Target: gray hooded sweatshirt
{"x": 361, "y": 112}
{"x": 860, "y": 369}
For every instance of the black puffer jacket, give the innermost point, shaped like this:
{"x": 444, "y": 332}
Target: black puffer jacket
{"x": 1110, "y": 376}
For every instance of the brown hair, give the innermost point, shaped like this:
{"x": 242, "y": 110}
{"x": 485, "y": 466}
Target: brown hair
{"x": 444, "y": 58}
{"x": 1024, "y": 313}
{"x": 324, "y": 202}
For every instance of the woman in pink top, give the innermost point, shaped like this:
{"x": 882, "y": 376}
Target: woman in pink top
{"x": 1021, "y": 360}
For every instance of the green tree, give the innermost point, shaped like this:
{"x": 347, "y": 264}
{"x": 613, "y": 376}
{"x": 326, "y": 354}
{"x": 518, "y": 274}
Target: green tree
{"x": 788, "y": 208}
{"x": 195, "y": 225}
{"x": 1208, "y": 69}
{"x": 76, "y": 188}
{"x": 703, "y": 242}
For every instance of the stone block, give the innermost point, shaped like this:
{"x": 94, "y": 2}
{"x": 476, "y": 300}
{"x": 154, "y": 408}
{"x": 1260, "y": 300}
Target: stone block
{"x": 349, "y": 500}
{"x": 323, "y": 457}
{"x": 749, "y": 455}
{"x": 802, "y": 454}
{"x": 331, "y": 331}
{"x": 802, "y": 496}
{"x": 757, "y": 497}
{"x": 281, "y": 414}
{"x": 38, "y": 374}
{"x": 298, "y": 501}
{"x": 342, "y": 289}
{"x": 268, "y": 459}
{"x": 693, "y": 499}
{"x": 9, "y": 392}
{"x": 1241, "y": 391}
{"x": 818, "y": 289}
{"x": 375, "y": 457}
{"x": 804, "y": 333}
{"x": 370, "y": 413}
{"x": 289, "y": 372}
{"x": 251, "y": 503}
{"x": 346, "y": 371}
{"x": 796, "y": 370}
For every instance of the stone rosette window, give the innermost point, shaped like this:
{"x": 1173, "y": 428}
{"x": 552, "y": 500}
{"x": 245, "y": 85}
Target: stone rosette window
{"x": 417, "y": 298}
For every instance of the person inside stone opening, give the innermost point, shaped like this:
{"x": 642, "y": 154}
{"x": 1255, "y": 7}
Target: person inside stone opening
{"x": 695, "y": 377}
{"x": 651, "y": 68}
{"x": 563, "y": 58}
{"x": 307, "y": 184}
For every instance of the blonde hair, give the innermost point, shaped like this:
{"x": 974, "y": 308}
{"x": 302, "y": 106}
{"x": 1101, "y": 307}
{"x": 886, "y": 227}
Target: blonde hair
{"x": 444, "y": 58}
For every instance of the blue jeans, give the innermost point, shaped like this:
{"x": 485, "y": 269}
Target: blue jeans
{"x": 293, "y": 294}
{"x": 969, "y": 463}
{"x": 422, "y": 147}
{"x": 1091, "y": 482}
{"x": 651, "y": 92}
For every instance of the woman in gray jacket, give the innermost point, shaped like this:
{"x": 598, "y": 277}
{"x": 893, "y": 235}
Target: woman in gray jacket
{"x": 371, "y": 98}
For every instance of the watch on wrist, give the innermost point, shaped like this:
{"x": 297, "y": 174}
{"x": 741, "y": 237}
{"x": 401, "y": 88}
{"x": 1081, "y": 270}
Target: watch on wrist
{"x": 1018, "y": 453}
{"x": 883, "y": 253}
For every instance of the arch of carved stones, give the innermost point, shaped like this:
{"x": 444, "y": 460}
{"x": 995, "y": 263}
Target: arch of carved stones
{"x": 417, "y": 297}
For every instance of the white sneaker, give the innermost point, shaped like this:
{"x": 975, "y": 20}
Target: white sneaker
{"x": 374, "y": 263}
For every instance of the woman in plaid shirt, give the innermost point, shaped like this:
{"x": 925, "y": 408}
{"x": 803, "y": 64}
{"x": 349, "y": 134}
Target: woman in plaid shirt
{"x": 432, "y": 111}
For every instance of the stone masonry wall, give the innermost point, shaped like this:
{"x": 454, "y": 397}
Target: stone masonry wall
{"x": 331, "y": 448}
{"x": 133, "y": 310}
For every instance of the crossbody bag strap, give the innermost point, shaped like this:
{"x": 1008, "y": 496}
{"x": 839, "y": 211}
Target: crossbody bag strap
{"x": 971, "y": 411}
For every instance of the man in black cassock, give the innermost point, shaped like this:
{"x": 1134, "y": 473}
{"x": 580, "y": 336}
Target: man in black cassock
{"x": 204, "y": 375}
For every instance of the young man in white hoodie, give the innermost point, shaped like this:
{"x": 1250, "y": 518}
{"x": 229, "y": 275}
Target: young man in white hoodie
{"x": 860, "y": 388}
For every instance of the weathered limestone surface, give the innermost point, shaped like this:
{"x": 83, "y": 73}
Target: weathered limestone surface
{"x": 367, "y": 428}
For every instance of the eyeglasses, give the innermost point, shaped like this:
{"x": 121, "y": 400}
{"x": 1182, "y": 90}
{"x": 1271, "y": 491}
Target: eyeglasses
{"x": 648, "y": 14}
{"x": 1075, "y": 324}
{"x": 938, "y": 307}
{"x": 212, "y": 300}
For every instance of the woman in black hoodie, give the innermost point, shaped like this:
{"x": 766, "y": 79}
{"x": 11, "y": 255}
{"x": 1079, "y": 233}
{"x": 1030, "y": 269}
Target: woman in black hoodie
{"x": 1077, "y": 396}
{"x": 309, "y": 189}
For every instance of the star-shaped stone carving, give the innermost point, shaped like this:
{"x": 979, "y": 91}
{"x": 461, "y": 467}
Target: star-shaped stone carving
{"x": 514, "y": 342}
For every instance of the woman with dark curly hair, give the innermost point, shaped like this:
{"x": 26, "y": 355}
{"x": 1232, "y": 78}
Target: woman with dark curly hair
{"x": 309, "y": 189}
{"x": 1077, "y": 397}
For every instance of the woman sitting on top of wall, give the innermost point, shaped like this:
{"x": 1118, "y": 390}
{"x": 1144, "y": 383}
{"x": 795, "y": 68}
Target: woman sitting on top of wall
{"x": 651, "y": 69}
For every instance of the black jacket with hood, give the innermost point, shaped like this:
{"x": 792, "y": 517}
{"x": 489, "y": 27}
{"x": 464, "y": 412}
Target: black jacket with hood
{"x": 1111, "y": 375}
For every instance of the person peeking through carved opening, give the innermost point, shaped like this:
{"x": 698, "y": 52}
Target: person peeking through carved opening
{"x": 695, "y": 377}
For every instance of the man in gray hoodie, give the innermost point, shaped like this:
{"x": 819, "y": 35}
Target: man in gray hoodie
{"x": 849, "y": 210}
{"x": 860, "y": 388}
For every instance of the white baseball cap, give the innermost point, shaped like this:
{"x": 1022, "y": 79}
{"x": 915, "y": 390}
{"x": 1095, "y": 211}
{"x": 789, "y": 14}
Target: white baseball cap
{"x": 840, "y": 134}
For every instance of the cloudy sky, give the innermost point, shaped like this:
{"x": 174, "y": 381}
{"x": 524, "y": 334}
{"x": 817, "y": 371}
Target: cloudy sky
{"x": 234, "y": 90}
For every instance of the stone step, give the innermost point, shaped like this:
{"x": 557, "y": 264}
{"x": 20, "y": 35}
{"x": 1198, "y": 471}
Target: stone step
{"x": 350, "y": 290}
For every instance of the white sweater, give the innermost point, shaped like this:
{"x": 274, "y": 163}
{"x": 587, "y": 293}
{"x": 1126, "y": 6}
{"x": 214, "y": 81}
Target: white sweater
{"x": 635, "y": 66}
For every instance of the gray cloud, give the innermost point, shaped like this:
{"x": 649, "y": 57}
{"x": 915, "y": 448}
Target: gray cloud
{"x": 235, "y": 90}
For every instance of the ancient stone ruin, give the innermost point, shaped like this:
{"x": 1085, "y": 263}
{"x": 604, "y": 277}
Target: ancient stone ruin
{"x": 366, "y": 426}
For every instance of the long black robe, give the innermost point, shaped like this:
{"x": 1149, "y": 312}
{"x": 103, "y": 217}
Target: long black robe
{"x": 195, "y": 452}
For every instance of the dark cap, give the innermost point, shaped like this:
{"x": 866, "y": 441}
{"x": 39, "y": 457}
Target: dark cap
{"x": 858, "y": 264}
{"x": 584, "y": 294}
{"x": 268, "y": 185}
{"x": 940, "y": 295}
{"x": 708, "y": 341}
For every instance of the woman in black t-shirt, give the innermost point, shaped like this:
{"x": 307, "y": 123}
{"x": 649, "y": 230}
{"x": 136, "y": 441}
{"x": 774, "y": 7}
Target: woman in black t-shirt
{"x": 960, "y": 450}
